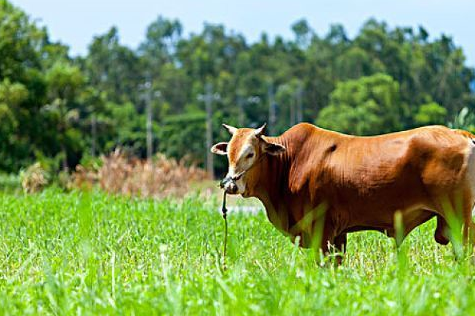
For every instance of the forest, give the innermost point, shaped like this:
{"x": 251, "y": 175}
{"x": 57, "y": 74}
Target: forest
{"x": 62, "y": 110}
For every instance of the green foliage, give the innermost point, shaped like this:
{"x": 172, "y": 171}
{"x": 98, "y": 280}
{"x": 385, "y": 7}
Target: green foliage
{"x": 19, "y": 39}
{"x": 430, "y": 113}
{"x": 183, "y": 136}
{"x": 64, "y": 81}
{"x": 12, "y": 94}
{"x": 355, "y": 63}
{"x": 51, "y": 165}
{"x": 465, "y": 119}
{"x": 127, "y": 125}
{"x": 62, "y": 106}
{"x": 92, "y": 253}
{"x": 366, "y": 106}
{"x": 113, "y": 68}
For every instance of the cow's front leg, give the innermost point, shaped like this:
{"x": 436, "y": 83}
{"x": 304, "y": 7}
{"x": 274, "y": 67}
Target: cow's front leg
{"x": 331, "y": 245}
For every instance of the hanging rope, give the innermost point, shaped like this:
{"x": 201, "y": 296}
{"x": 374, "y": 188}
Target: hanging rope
{"x": 224, "y": 211}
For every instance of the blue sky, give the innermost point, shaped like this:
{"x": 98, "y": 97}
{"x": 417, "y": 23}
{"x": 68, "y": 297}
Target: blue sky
{"x": 76, "y": 22}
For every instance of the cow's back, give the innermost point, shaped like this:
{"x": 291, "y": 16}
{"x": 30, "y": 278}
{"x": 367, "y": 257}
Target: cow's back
{"x": 436, "y": 155}
{"x": 374, "y": 161}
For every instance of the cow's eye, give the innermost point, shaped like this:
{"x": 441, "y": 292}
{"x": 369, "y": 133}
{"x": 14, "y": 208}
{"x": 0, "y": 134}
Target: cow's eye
{"x": 248, "y": 156}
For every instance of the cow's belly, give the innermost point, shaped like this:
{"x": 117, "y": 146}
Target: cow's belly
{"x": 377, "y": 211}
{"x": 384, "y": 220}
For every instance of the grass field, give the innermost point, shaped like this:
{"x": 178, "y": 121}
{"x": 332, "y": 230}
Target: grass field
{"x": 89, "y": 253}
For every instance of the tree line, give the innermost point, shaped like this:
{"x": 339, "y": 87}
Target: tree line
{"x": 63, "y": 109}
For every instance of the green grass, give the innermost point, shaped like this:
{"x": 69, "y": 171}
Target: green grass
{"x": 93, "y": 254}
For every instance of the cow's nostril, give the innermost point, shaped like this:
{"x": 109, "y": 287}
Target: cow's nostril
{"x": 224, "y": 183}
{"x": 231, "y": 187}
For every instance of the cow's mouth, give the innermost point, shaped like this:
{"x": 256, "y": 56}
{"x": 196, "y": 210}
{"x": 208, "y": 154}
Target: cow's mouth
{"x": 229, "y": 185}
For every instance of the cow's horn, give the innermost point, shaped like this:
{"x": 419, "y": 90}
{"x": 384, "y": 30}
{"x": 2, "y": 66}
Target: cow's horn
{"x": 260, "y": 131}
{"x": 230, "y": 129}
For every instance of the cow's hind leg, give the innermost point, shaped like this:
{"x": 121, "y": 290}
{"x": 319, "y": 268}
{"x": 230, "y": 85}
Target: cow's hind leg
{"x": 468, "y": 225}
{"x": 340, "y": 247}
{"x": 454, "y": 220}
{"x": 463, "y": 209}
{"x": 334, "y": 246}
{"x": 441, "y": 234}
{"x": 331, "y": 246}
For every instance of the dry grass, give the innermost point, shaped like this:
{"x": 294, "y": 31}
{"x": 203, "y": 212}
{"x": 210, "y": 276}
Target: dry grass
{"x": 158, "y": 177}
{"x": 34, "y": 178}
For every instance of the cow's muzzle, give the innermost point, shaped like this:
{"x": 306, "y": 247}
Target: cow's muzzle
{"x": 229, "y": 185}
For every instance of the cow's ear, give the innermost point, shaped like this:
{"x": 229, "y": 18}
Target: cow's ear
{"x": 220, "y": 148}
{"x": 272, "y": 148}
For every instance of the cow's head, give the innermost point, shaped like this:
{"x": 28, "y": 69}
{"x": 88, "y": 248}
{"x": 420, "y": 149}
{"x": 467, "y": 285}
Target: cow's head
{"x": 245, "y": 150}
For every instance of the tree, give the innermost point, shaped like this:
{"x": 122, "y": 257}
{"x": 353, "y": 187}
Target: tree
{"x": 113, "y": 68}
{"x": 19, "y": 42}
{"x": 355, "y": 63}
{"x": 366, "y": 106}
{"x": 303, "y": 33}
{"x": 161, "y": 39}
{"x": 64, "y": 82}
{"x": 184, "y": 135}
{"x": 430, "y": 113}
{"x": 12, "y": 95}
{"x": 382, "y": 79}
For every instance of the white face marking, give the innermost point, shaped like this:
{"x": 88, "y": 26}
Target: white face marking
{"x": 246, "y": 158}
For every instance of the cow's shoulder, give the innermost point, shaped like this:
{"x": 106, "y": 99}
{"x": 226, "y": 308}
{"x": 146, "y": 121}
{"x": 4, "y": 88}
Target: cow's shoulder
{"x": 311, "y": 147}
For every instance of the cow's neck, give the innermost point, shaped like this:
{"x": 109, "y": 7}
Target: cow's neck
{"x": 272, "y": 185}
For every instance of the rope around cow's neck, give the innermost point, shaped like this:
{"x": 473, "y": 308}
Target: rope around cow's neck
{"x": 224, "y": 211}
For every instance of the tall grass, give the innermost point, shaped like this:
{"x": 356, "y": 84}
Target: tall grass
{"x": 89, "y": 253}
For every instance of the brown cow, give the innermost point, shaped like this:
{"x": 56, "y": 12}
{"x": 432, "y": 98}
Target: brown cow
{"x": 320, "y": 185}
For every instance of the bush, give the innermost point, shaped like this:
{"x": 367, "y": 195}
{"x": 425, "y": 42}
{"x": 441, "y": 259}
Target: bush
{"x": 158, "y": 177}
{"x": 34, "y": 178}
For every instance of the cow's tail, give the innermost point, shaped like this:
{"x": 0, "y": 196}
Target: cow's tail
{"x": 470, "y": 163}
